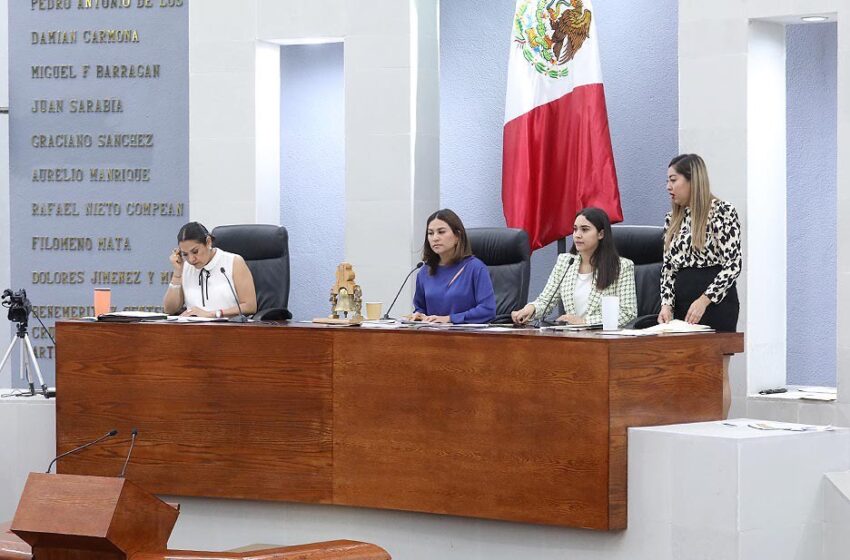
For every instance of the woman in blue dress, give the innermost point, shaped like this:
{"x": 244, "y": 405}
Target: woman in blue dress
{"x": 453, "y": 286}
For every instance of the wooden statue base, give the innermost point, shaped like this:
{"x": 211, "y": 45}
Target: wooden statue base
{"x": 332, "y": 321}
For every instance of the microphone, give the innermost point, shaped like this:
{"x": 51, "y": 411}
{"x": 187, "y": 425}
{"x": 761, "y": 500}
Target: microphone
{"x": 242, "y": 318}
{"x": 557, "y": 288}
{"x": 406, "y": 278}
{"x": 133, "y": 435}
{"x": 80, "y": 448}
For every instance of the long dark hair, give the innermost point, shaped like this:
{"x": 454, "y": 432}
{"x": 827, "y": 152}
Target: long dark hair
{"x": 462, "y": 249}
{"x": 605, "y": 260}
{"x": 194, "y": 231}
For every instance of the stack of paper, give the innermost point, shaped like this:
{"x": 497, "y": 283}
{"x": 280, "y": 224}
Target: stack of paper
{"x": 678, "y": 326}
{"x": 788, "y": 427}
{"x": 452, "y": 326}
{"x": 191, "y": 319}
{"x": 131, "y": 316}
{"x": 674, "y": 326}
{"x": 582, "y": 327}
{"x": 772, "y": 426}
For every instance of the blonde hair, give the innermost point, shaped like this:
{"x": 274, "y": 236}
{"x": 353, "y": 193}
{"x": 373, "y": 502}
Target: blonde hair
{"x": 693, "y": 169}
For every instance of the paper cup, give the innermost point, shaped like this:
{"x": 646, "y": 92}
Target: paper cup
{"x": 373, "y": 310}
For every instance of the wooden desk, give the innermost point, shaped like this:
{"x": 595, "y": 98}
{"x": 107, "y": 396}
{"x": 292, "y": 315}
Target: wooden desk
{"x": 521, "y": 426}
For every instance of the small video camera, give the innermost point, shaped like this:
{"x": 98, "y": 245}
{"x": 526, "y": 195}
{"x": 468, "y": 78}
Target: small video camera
{"x": 19, "y": 305}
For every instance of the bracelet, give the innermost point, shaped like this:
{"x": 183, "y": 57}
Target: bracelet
{"x": 174, "y": 286}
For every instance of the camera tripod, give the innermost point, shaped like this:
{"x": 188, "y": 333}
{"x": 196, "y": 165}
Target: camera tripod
{"x": 28, "y": 361}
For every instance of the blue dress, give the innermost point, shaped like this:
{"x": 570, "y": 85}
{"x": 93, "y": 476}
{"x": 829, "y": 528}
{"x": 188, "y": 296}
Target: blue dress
{"x": 469, "y": 298}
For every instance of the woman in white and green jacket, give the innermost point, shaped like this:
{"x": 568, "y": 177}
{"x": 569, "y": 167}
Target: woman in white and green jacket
{"x": 590, "y": 270}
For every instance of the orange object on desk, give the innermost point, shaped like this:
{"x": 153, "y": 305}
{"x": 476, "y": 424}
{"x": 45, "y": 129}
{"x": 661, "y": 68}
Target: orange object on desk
{"x": 102, "y": 301}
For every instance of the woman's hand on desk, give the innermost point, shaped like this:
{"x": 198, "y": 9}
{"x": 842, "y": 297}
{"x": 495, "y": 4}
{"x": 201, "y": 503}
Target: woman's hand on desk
{"x": 570, "y": 319}
{"x": 437, "y": 319}
{"x": 429, "y": 318}
{"x": 666, "y": 314}
{"x": 197, "y": 312}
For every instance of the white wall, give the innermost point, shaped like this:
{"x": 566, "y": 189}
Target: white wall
{"x": 766, "y": 192}
{"x": 714, "y": 68}
{"x": 391, "y": 118}
{"x": 222, "y": 127}
{"x": 712, "y": 122}
{"x": 267, "y": 119}
{"x": 28, "y": 441}
{"x": 5, "y": 246}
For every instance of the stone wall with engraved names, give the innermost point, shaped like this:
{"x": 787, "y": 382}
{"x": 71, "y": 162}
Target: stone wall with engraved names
{"x": 99, "y": 155}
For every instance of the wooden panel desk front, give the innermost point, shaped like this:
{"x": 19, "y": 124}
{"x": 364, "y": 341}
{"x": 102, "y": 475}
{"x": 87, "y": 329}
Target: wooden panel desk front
{"x": 521, "y": 426}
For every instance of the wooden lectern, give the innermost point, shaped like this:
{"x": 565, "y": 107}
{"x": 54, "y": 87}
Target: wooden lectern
{"x": 70, "y": 517}
{"x": 76, "y": 517}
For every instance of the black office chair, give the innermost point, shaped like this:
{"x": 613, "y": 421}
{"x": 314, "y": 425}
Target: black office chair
{"x": 265, "y": 249}
{"x": 643, "y": 245}
{"x": 507, "y": 254}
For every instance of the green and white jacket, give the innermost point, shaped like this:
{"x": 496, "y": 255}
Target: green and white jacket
{"x": 624, "y": 288}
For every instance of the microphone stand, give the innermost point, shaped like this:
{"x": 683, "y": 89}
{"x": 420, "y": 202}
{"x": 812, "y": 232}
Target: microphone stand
{"x": 241, "y": 318}
{"x": 133, "y": 435}
{"x": 406, "y": 278}
{"x": 557, "y": 289}
{"x": 80, "y": 448}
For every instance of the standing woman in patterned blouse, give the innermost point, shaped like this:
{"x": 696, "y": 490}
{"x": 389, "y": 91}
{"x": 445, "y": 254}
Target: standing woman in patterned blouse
{"x": 702, "y": 254}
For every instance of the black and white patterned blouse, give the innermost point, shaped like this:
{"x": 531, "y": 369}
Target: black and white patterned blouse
{"x": 722, "y": 247}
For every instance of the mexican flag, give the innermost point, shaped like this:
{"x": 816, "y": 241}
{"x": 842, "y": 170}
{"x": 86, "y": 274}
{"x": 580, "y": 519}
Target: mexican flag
{"x": 557, "y": 156}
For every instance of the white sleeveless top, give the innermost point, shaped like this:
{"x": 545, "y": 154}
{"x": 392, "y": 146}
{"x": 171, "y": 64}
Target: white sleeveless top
{"x": 209, "y": 291}
{"x": 581, "y": 295}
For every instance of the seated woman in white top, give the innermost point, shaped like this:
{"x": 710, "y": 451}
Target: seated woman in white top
{"x": 198, "y": 282}
{"x": 590, "y": 270}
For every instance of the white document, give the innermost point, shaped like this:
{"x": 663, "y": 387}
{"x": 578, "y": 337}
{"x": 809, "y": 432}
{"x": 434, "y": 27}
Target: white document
{"x": 581, "y": 327}
{"x": 200, "y": 319}
{"x": 629, "y": 332}
{"x": 136, "y": 314}
{"x": 380, "y": 324}
{"x": 458, "y": 326}
{"x": 674, "y": 326}
{"x": 775, "y": 426}
{"x": 789, "y": 427}
{"x": 678, "y": 326}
